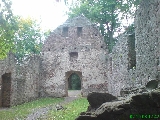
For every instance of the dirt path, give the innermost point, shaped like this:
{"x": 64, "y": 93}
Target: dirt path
{"x": 41, "y": 112}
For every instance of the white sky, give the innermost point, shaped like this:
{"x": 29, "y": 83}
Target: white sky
{"x": 49, "y": 12}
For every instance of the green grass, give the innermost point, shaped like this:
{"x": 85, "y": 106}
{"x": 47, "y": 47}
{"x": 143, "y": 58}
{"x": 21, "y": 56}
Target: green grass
{"x": 73, "y": 109}
{"x": 21, "y": 111}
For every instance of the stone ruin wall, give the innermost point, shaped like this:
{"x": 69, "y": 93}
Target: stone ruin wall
{"x": 147, "y": 31}
{"x": 121, "y": 73}
{"x": 90, "y": 63}
{"x": 24, "y": 79}
{"x": 48, "y": 76}
{"x": 28, "y": 79}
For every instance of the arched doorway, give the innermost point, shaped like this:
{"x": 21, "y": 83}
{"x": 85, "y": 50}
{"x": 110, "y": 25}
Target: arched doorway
{"x": 73, "y": 83}
{"x": 5, "y": 90}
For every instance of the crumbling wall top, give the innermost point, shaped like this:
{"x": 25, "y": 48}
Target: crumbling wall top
{"x": 79, "y": 21}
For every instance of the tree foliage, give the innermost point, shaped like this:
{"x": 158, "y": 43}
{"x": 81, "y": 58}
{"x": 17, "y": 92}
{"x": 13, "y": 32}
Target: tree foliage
{"x": 18, "y": 35}
{"x": 106, "y": 13}
{"x": 27, "y": 38}
{"x": 8, "y": 27}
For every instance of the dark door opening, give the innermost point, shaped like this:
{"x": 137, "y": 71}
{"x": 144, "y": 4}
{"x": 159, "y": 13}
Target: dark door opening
{"x": 74, "y": 82}
{"x": 6, "y": 90}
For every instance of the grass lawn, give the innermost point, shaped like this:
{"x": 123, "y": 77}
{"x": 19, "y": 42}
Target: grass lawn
{"x": 74, "y": 108}
{"x": 21, "y": 111}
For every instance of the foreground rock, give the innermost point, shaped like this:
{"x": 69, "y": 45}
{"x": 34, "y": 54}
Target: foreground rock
{"x": 142, "y": 103}
{"x": 97, "y": 99}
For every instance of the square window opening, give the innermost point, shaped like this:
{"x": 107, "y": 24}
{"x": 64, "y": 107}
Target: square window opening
{"x": 73, "y": 56}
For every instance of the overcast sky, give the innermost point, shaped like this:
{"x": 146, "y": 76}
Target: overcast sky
{"x": 49, "y": 12}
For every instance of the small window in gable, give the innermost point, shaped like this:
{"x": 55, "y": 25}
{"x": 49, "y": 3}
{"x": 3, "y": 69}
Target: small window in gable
{"x": 65, "y": 32}
{"x": 79, "y": 31}
{"x": 73, "y": 56}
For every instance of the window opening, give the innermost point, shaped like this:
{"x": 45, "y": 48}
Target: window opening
{"x": 79, "y": 31}
{"x": 132, "y": 52}
{"x": 73, "y": 56}
{"x": 65, "y": 32}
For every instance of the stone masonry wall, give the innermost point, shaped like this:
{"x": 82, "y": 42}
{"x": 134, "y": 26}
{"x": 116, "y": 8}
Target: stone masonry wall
{"x": 78, "y": 47}
{"x": 24, "y": 79}
{"x": 28, "y": 80}
{"x": 120, "y": 73}
{"x": 147, "y": 31}
{"x": 134, "y": 68}
{"x": 90, "y": 62}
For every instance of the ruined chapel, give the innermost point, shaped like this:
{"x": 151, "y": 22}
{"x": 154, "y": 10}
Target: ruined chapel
{"x": 74, "y": 47}
{"x": 77, "y": 47}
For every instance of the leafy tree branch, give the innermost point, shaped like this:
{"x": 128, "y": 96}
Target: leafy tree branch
{"x": 106, "y": 13}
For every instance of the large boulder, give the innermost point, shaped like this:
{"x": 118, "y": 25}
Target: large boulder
{"x": 142, "y": 104}
{"x": 97, "y": 99}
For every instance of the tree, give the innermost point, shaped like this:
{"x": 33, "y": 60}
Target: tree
{"x": 8, "y": 27}
{"x": 27, "y": 38}
{"x": 105, "y": 13}
{"x": 18, "y": 35}
{"x": 65, "y": 1}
